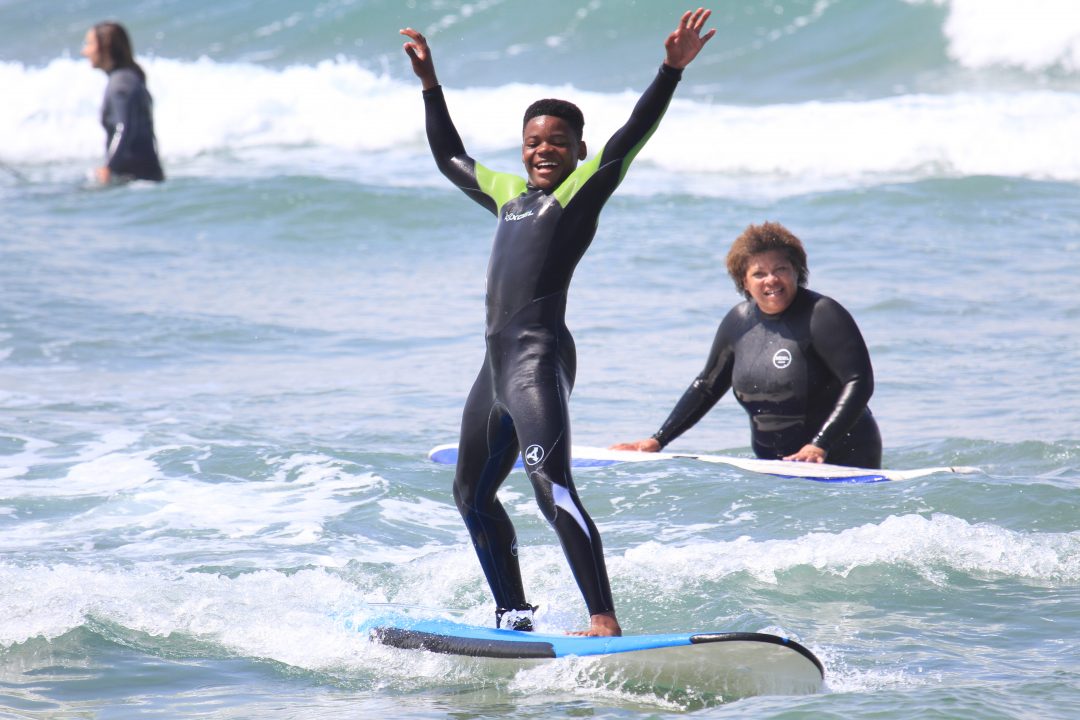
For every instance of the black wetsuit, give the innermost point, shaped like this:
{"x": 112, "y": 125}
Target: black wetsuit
{"x": 127, "y": 114}
{"x": 519, "y": 401}
{"x": 803, "y": 376}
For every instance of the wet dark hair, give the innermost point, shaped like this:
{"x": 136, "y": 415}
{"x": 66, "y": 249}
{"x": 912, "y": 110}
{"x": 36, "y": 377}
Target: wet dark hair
{"x": 115, "y": 44}
{"x": 757, "y": 239}
{"x": 563, "y": 109}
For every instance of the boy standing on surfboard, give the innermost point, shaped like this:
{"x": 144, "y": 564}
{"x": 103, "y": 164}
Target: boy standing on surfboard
{"x": 519, "y": 402}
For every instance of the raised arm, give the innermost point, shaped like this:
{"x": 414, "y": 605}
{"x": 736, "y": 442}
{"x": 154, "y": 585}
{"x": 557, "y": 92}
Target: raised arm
{"x": 681, "y": 47}
{"x": 443, "y": 138}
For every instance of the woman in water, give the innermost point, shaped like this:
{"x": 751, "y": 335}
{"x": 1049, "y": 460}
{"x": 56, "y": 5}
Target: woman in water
{"x": 127, "y": 113}
{"x": 794, "y": 359}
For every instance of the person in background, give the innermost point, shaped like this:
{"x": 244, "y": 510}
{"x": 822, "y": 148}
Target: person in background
{"x": 794, "y": 359}
{"x": 127, "y": 113}
{"x": 520, "y": 400}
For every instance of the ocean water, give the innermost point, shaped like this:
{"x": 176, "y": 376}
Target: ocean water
{"x": 217, "y": 394}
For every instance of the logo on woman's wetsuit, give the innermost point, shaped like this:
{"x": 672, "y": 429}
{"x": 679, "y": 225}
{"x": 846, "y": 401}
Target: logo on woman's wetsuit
{"x": 782, "y": 358}
{"x": 534, "y": 454}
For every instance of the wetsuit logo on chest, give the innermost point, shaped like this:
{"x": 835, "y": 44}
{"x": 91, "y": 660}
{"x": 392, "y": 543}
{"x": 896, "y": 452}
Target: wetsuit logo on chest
{"x": 511, "y": 217}
{"x": 533, "y": 454}
{"x": 782, "y": 358}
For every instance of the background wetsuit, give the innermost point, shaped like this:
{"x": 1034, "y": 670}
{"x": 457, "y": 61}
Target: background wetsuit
{"x": 520, "y": 398}
{"x": 803, "y": 376}
{"x": 127, "y": 115}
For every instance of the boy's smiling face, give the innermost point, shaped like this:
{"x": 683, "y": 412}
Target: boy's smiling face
{"x": 550, "y": 150}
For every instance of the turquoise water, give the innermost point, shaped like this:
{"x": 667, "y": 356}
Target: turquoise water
{"x": 218, "y": 393}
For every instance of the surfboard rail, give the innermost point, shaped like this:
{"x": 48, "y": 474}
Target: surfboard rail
{"x": 406, "y": 639}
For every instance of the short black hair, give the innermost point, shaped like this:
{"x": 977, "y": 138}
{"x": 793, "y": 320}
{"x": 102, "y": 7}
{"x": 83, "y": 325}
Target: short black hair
{"x": 564, "y": 109}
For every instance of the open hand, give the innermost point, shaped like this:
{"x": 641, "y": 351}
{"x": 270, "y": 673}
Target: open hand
{"x": 686, "y": 42}
{"x": 420, "y": 54}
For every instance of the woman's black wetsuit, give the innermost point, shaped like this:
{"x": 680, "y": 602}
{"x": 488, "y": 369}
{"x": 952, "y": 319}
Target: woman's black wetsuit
{"x": 130, "y": 145}
{"x": 519, "y": 401}
{"x": 803, "y": 376}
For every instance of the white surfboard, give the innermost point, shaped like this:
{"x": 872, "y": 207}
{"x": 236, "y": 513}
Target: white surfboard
{"x": 728, "y": 664}
{"x": 584, "y": 456}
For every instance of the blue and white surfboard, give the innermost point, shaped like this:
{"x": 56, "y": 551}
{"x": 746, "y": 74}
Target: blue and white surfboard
{"x": 730, "y": 664}
{"x": 584, "y": 456}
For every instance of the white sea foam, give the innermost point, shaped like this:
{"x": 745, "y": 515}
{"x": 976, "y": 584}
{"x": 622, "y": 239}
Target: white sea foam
{"x": 1033, "y": 35}
{"x": 204, "y": 106}
{"x": 99, "y": 468}
{"x": 305, "y": 620}
{"x": 422, "y": 512}
{"x": 929, "y": 545}
{"x": 277, "y": 512}
{"x": 831, "y": 145}
{"x": 263, "y": 614}
{"x": 183, "y": 516}
{"x": 308, "y": 619}
{"x": 339, "y": 119}
{"x": 17, "y": 464}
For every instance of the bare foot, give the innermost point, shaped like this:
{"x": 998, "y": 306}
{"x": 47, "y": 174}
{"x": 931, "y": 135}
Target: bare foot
{"x": 601, "y": 625}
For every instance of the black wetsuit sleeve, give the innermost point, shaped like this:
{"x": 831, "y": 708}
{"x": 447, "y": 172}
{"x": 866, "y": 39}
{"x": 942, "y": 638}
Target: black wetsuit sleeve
{"x": 707, "y": 388}
{"x": 837, "y": 341}
{"x": 449, "y": 151}
{"x": 643, "y": 121}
